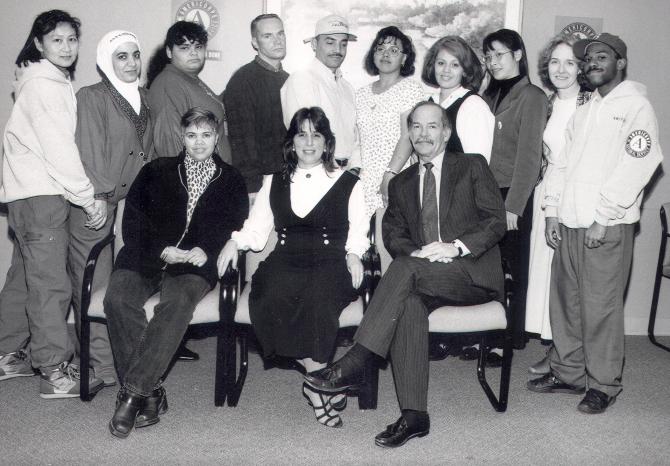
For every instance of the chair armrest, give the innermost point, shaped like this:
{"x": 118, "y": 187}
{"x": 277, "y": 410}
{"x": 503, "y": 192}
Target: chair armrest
{"x": 89, "y": 270}
{"x": 229, "y": 290}
{"x": 371, "y": 267}
{"x": 508, "y": 292}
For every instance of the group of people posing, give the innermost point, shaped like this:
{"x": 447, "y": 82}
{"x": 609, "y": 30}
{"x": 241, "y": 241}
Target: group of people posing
{"x": 470, "y": 178}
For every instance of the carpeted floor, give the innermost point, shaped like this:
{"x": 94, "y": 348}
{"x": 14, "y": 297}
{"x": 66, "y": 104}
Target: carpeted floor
{"x": 274, "y": 425}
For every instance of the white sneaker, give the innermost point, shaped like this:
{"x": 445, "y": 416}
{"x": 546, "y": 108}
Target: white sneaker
{"x": 63, "y": 382}
{"x": 15, "y": 365}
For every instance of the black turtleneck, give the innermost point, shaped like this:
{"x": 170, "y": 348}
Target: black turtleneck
{"x": 505, "y": 85}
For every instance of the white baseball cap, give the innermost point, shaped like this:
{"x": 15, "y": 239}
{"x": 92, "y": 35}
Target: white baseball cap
{"x": 331, "y": 24}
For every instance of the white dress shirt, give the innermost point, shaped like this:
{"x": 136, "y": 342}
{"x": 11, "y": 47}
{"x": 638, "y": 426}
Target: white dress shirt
{"x": 318, "y": 86}
{"x": 437, "y": 173}
{"x": 306, "y": 192}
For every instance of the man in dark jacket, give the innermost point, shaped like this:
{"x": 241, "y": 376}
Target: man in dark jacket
{"x": 179, "y": 213}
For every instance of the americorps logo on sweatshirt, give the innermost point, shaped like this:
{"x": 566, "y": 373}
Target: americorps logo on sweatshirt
{"x": 638, "y": 143}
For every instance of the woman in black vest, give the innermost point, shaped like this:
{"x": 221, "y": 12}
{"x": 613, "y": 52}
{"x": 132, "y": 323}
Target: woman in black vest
{"x": 453, "y": 68}
{"x": 299, "y": 291}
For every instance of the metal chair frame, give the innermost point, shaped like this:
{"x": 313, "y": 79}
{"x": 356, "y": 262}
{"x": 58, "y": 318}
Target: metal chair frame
{"x": 657, "y": 282}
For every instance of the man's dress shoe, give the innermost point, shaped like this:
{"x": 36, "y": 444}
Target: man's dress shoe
{"x": 331, "y": 379}
{"x": 549, "y": 383}
{"x": 595, "y": 402}
{"x": 398, "y": 433}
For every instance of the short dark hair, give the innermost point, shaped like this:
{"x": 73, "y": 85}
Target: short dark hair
{"x": 445, "y": 118}
{"x": 468, "y": 59}
{"x": 258, "y": 19}
{"x": 545, "y": 57}
{"x": 45, "y": 23}
{"x": 513, "y": 41}
{"x": 185, "y": 31}
{"x": 321, "y": 125}
{"x": 386, "y": 35}
{"x": 199, "y": 116}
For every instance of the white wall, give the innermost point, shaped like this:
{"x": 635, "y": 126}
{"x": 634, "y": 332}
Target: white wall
{"x": 642, "y": 24}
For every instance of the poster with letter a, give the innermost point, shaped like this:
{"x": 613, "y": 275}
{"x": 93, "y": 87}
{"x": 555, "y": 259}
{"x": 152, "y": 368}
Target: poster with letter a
{"x": 208, "y": 14}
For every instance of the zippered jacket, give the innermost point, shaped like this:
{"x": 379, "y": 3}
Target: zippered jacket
{"x": 155, "y": 217}
{"x": 611, "y": 152}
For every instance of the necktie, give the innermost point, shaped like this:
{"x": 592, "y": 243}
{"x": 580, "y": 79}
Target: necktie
{"x": 429, "y": 215}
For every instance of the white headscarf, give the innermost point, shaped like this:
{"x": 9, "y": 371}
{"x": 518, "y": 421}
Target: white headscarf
{"x": 106, "y": 47}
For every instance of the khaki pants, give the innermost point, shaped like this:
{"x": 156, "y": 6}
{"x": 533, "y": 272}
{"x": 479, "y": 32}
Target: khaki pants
{"x": 586, "y": 308}
{"x": 36, "y": 295}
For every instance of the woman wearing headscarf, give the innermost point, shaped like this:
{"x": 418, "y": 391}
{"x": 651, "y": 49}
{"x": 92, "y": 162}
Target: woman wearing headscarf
{"x": 114, "y": 140}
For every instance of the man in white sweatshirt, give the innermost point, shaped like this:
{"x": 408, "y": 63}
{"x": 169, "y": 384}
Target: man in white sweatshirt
{"x": 592, "y": 202}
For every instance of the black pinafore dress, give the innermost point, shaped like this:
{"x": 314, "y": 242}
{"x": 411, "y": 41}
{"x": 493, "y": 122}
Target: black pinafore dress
{"x": 299, "y": 291}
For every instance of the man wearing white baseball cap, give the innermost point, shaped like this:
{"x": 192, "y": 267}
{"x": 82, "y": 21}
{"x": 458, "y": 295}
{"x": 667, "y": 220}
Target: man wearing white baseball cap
{"x": 592, "y": 203}
{"x": 321, "y": 85}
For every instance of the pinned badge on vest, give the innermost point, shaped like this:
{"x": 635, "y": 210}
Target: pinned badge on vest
{"x": 499, "y": 124}
{"x": 638, "y": 143}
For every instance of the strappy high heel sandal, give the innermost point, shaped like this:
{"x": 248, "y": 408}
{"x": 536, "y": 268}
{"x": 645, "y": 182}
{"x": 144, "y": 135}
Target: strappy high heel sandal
{"x": 327, "y": 418}
{"x": 338, "y": 405}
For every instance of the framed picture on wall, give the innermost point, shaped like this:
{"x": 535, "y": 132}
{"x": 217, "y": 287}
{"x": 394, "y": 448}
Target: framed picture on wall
{"x": 423, "y": 20}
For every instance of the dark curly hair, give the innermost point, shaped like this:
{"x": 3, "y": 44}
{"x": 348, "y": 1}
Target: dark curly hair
{"x": 321, "y": 125}
{"x": 456, "y": 46}
{"x": 45, "y": 23}
{"x": 395, "y": 35}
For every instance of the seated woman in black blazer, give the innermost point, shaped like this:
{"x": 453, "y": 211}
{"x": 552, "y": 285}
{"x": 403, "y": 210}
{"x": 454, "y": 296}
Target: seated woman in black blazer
{"x": 179, "y": 213}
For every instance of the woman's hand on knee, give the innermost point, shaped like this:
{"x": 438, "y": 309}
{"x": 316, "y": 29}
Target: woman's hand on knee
{"x": 355, "y": 267}
{"x": 227, "y": 256}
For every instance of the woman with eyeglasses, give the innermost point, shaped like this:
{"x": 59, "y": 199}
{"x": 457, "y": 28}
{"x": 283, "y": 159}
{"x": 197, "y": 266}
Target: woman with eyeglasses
{"x": 520, "y": 110}
{"x": 559, "y": 72}
{"x": 382, "y": 107}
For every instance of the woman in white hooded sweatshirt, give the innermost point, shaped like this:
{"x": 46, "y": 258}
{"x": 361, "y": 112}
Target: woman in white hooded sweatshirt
{"x": 114, "y": 140}
{"x": 41, "y": 172}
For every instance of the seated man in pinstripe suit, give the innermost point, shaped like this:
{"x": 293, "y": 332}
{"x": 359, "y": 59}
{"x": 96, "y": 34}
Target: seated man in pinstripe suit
{"x": 442, "y": 226}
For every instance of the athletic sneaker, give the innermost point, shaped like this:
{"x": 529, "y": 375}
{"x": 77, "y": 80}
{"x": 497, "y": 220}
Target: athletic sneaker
{"x": 15, "y": 365}
{"x": 63, "y": 382}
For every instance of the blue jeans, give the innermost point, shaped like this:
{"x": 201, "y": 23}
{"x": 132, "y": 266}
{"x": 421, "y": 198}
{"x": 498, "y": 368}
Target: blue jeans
{"x": 143, "y": 349}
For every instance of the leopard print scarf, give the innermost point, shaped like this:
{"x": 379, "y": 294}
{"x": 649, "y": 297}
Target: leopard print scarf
{"x": 198, "y": 176}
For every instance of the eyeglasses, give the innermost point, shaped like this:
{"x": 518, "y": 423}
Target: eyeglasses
{"x": 488, "y": 58}
{"x": 393, "y": 51}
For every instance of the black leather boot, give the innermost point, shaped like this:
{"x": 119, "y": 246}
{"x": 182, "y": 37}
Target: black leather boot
{"x": 155, "y": 405}
{"x": 128, "y": 406}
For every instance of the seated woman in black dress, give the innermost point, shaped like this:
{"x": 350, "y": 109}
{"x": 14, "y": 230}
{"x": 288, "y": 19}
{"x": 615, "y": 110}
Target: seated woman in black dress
{"x": 299, "y": 291}
{"x": 179, "y": 213}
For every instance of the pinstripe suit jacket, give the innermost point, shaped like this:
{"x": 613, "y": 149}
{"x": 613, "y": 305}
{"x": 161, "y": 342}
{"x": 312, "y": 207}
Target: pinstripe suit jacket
{"x": 471, "y": 210}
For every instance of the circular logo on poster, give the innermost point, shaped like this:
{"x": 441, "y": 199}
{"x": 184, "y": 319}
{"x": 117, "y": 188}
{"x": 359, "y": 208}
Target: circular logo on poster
{"x": 201, "y": 12}
{"x": 579, "y": 30}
